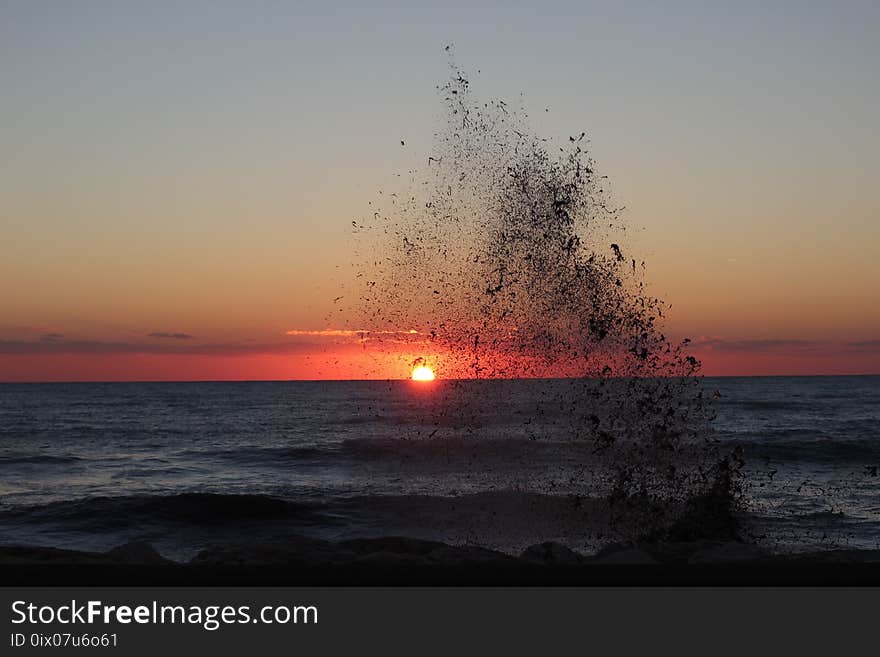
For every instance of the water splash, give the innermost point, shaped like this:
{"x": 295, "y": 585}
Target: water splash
{"x": 505, "y": 257}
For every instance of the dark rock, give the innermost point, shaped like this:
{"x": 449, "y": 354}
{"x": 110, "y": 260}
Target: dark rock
{"x": 552, "y": 554}
{"x": 30, "y": 555}
{"x": 731, "y": 552}
{"x": 392, "y": 544}
{"x": 298, "y": 551}
{"x": 136, "y": 552}
{"x": 387, "y": 551}
{"x": 625, "y": 555}
{"x": 830, "y": 557}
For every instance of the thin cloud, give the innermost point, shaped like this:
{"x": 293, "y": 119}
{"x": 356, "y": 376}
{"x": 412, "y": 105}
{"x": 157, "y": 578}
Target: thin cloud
{"x": 307, "y": 341}
{"x": 755, "y": 346}
{"x": 325, "y": 333}
{"x": 865, "y": 345}
{"x": 51, "y": 337}
{"x": 170, "y": 347}
{"x": 354, "y": 336}
{"x": 345, "y": 333}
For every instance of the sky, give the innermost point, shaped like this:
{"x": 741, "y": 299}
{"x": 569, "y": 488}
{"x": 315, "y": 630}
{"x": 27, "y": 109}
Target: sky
{"x": 178, "y": 180}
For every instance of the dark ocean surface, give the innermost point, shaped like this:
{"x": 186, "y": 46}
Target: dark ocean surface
{"x": 187, "y": 465}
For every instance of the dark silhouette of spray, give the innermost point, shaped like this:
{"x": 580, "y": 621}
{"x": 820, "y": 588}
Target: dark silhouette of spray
{"x": 507, "y": 259}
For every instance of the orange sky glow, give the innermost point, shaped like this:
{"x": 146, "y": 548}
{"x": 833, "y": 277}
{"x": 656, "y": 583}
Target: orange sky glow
{"x": 356, "y": 360}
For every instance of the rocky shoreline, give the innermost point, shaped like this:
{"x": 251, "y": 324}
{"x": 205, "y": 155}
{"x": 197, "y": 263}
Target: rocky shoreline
{"x": 399, "y": 560}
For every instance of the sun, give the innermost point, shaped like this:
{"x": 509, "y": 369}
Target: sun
{"x": 423, "y": 373}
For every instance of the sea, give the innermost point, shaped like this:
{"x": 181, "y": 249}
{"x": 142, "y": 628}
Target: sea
{"x": 184, "y": 466}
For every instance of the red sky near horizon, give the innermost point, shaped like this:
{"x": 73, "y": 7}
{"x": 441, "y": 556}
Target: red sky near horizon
{"x": 121, "y": 362}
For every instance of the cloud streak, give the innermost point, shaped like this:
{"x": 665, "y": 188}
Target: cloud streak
{"x": 338, "y": 333}
{"x": 865, "y": 345}
{"x": 169, "y": 347}
{"x": 783, "y": 345}
{"x": 356, "y": 336}
{"x": 756, "y": 346}
{"x": 305, "y": 341}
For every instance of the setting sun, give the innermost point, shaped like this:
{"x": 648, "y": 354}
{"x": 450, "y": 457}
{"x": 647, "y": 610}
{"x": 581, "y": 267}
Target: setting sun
{"x": 423, "y": 373}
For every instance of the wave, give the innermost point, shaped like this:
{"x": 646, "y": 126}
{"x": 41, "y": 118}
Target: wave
{"x": 20, "y": 458}
{"x": 443, "y": 446}
{"x": 822, "y": 515}
{"x": 429, "y": 445}
{"x": 499, "y": 517}
{"x": 185, "y": 508}
{"x": 250, "y": 453}
{"x": 765, "y": 404}
{"x": 204, "y": 508}
{"x": 823, "y": 450}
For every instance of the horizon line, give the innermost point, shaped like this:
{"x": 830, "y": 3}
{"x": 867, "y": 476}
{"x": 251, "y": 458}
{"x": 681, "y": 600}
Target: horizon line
{"x": 388, "y": 380}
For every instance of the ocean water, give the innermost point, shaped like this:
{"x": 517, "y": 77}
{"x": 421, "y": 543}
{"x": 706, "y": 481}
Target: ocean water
{"x": 187, "y": 465}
